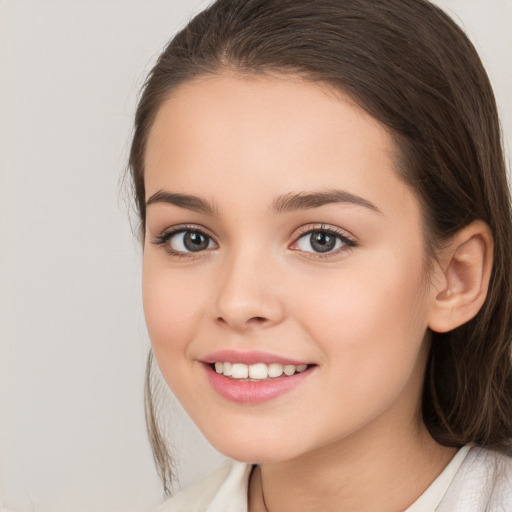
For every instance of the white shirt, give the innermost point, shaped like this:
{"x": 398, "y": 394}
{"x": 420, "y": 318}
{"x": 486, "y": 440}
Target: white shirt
{"x": 476, "y": 480}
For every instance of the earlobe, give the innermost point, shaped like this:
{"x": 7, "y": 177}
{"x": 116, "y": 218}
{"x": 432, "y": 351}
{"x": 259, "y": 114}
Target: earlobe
{"x": 463, "y": 280}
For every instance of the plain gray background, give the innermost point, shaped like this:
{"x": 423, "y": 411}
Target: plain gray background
{"x": 73, "y": 339}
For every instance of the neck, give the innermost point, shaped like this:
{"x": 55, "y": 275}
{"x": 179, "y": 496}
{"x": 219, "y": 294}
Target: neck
{"x": 353, "y": 475}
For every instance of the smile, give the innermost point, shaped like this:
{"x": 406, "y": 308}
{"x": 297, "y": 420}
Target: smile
{"x": 258, "y": 371}
{"x": 256, "y": 383}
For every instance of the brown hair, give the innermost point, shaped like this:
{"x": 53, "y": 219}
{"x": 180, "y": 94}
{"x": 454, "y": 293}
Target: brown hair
{"x": 410, "y": 66}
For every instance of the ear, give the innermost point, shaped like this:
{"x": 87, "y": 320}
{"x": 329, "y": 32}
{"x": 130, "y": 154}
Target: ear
{"x": 462, "y": 279}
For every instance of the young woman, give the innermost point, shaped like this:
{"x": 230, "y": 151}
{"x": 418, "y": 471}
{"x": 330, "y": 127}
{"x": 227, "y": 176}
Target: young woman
{"x": 327, "y": 272}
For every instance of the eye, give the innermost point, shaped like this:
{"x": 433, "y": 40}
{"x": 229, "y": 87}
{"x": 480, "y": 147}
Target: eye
{"x": 322, "y": 241}
{"x": 179, "y": 241}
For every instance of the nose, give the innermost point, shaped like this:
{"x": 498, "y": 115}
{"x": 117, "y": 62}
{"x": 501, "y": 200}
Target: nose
{"x": 247, "y": 294}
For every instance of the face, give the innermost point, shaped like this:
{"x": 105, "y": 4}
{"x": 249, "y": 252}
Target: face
{"x": 279, "y": 240}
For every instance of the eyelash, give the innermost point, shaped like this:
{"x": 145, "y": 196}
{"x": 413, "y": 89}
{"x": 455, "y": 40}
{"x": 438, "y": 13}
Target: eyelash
{"x": 347, "y": 241}
{"x": 163, "y": 240}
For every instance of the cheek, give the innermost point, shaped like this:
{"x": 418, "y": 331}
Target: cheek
{"x": 371, "y": 332}
{"x": 172, "y": 308}
{"x": 370, "y": 319}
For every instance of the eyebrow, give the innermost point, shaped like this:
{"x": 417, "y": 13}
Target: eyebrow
{"x": 284, "y": 203}
{"x": 307, "y": 200}
{"x": 187, "y": 201}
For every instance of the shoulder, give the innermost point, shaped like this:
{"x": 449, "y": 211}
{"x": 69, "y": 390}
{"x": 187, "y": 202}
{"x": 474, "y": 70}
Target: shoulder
{"x": 223, "y": 490}
{"x": 483, "y": 483}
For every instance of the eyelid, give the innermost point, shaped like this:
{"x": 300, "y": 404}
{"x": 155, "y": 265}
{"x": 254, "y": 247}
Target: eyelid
{"x": 166, "y": 234}
{"x": 178, "y": 228}
{"x": 322, "y": 226}
{"x": 348, "y": 239}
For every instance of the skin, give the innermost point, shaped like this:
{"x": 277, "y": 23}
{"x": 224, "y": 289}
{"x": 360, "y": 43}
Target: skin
{"x": 360, "y": 313}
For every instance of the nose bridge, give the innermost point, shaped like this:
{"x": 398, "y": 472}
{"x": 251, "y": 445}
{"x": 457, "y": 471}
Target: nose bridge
{"x": 246, "y": 294}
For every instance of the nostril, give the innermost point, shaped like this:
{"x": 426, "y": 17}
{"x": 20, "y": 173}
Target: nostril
{"x": 258, "y": 319}
{"x": 251, "y": 321}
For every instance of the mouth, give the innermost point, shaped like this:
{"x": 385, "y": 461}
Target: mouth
{"x": 255, "y": 381}
{"x": 257, "y": 372}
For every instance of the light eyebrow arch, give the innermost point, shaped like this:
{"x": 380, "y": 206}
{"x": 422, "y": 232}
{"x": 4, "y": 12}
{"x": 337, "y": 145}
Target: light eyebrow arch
{"x": 188, "y": 201}
{"x": 308, "y": 200}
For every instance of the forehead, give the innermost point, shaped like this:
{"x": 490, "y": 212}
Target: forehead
{"x": 259, "y": 122}
{"x": 230, "y": 138}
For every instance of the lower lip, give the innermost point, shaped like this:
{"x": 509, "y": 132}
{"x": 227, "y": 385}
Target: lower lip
{"x": 246, "y": 392}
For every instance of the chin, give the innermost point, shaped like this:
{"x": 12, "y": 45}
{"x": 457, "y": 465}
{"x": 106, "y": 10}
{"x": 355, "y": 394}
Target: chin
{"x": 254, "y": 448}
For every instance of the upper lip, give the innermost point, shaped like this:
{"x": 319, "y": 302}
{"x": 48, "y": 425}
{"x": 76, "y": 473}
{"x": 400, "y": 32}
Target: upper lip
{"x": 250, "y": 357}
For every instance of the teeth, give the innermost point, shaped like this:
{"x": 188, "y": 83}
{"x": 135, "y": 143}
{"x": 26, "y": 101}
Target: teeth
{"x": 289, "y": 369}
{"x": 275, "y": 370}
{"x": 227, "y": 369}
{"x": 258, "y": 371}
{"x": 239, "y": 371}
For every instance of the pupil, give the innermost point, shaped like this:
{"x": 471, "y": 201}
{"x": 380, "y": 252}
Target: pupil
{"x": 194, "y": 241}
{"x": 322, "y": 242}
